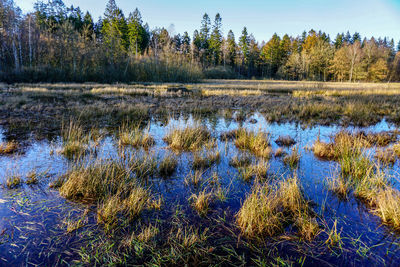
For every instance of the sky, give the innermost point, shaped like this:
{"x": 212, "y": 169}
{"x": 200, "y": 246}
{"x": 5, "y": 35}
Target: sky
{"x": 263, "y": 18}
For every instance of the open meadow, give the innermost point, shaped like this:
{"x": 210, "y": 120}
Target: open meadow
{"x": 222, "y": 172}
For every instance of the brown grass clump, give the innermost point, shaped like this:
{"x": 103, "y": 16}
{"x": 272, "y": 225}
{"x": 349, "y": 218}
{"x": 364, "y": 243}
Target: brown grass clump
{"x": 343, "y": 144}
{"x": 135, "y": 137}
{"x": 367, "y": 189}
{"x": 206, "y": 160}
{"x": 75, "y": 142}
{"x": 188, "y": 139}
{"x": 201, "y": 202}
{"x": 256, "y": 143}
{"x": 241, "y": 160}
{"x": 396, "y": 149}
{"x": 285, "y": 141}
{"x": 95, "y": 181}
{"x": 346, "y": 144}
{"x": 195, "y": 179}
{"x": 259, "y": 170}
{"x": 307, "y": 227}
{"x": 339, "y": 185}
{"x": 168, "y": 165}
{"x": 388, "y": 206}
{"x": 280, "y": 152}
{"x": 293, "y": 158}
{"x": 8, "y": 147}
{"x": 14, "y": 182}
{"x": 137, "y": 201}
{"x": 386, "y": 156}
{"x": 267, "y": 209}
{"x": 32, "y": 178}
{"x": 260, "y": 213}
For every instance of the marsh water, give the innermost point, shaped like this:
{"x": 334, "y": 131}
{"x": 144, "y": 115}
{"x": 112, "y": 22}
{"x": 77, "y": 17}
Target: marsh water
{"x": 32, "y": 217}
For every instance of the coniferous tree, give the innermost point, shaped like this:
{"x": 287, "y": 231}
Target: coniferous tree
{"x": 216, "y": 40}
{"x": 231, "y": 48}
{"x": 244, "y": 44}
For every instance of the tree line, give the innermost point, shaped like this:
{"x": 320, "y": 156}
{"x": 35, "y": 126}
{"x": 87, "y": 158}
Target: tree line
{"x": 59, "y": 43}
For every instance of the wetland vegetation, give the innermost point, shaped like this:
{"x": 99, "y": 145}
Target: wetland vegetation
{"x": 141, "y": 174}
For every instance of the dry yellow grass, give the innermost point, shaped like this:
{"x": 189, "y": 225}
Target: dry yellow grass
{"x": 386, "y": 156}
{"x": 388, "y": 206}
{"x": 134, "y": 136}
{"x": 206, "y": 159}
{"x": 255, "y": 142}
{"x": 8, "y": 147}
{"x": 339, "y": 185}
{"x": 293, "y": 158}
{"x": 285, "y": 140}
{"x": 201, "y": 202}
{"x": 13, "y": 182}
{"x": 260, "y": 214}
{"x": 188, "y": 138}
{"x": 267, "y": 209}
{"x": 167, "y": 165}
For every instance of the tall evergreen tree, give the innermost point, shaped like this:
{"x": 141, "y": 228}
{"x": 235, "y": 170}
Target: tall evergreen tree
{"x": 216, "y": 40}
{"x": 231, "y": 48}
{"x": 338, "y": 43}
{"x": 114, "y": 31}
{"x": 138, "y": 37}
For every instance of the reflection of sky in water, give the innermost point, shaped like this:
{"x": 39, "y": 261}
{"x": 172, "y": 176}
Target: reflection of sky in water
{"x": 352, "y": 216}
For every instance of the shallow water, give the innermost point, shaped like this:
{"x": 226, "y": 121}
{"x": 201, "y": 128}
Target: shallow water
{"x": 31, "y": 217}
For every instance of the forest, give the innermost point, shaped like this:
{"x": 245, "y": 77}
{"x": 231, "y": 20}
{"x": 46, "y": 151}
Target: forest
{"x": 56, "y": 43}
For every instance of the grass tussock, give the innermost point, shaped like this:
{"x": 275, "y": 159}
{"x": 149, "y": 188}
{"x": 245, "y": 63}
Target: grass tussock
{"x": 388, "y": 206}
{"x": 8, "y": 147}
{"x": 293, "y": 159}
{"x": 195, "y": 179}
{"x": 260, "y": 214}
{"x": 135, "y": 136}
{"x": 13, "y": 182}
{"x": 267, "y": 209}
{"x": 279, "y": 152}
{"x": 285, "y": 141}
{"x": 95, "y": 181}
{"x": 168, "y": 165}
{"x": 339, "y": 185}
{"x": 386, "y": 156}
{"x": 201, "y": 202}
{"x": 345, "y": 143}
{"x": 241, "y": 160}
{"x": 254, "y": 142}
{"x": 32, "y": 178}
{"x": 188, "y": 139}
{"x": 258, "y": 170}
{"x": 334, "y": 236}
{"x": 75, "y": 142}
{"x": 206, "y": 159}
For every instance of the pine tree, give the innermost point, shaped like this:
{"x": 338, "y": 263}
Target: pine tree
{"x": 231, "y": 43}
{"x": 114, "y": 31}
{"x": 338, "y": 43}
{"x": 216, "y": 40}
{"x": 138, "y": 37}
{"x": 244, "y": 43}
{"x": 205, "y": 31}
{"x": 185, "y": 43}
{"x": 272, "y": 54}
{"x": 356, "y": 37}
{"x": 347, "y": 38}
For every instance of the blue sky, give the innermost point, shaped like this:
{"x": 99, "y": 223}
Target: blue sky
{"x": 261, "y": 17}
